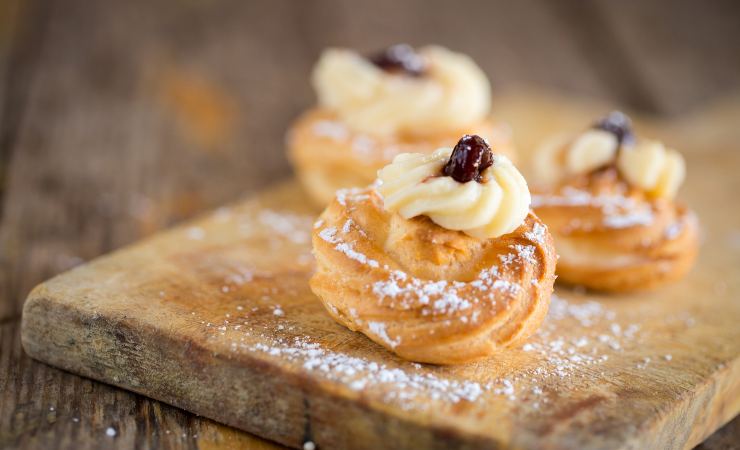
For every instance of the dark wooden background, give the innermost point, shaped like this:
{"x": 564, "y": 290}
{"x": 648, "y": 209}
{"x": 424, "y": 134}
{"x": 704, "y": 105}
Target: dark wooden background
{"x": 119, "y": 118}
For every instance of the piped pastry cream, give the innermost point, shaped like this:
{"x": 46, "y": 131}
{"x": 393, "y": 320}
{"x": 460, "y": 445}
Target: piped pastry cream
{"x": 655, "y": 169}
{"x": 445, "y": 293}
{"x": 495, "y": 204}
{"x": 589, "y": 151}
{"x": 446, "y": 90}
{"x": 608, "y": 198}
{"x": 371, "y": 109}
{"x": 647, "y": 165}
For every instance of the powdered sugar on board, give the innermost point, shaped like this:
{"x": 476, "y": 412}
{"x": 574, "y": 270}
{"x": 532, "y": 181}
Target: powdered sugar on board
{"x": 284, "y": 231}
{"x": 576, "y": 341}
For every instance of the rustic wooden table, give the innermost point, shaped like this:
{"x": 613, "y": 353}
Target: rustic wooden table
{"x": 118, "y": 119}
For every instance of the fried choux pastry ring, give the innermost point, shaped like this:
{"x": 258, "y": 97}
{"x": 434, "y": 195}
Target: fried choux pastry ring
{"x": 609, "y": 200}
{"x": 441, "y": 261}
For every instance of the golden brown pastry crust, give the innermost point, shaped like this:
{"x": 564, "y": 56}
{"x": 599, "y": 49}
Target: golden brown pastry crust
{"x": 612, "y": 237}
{"x": 426, "y": 293}
{"x": 328, "y": 156}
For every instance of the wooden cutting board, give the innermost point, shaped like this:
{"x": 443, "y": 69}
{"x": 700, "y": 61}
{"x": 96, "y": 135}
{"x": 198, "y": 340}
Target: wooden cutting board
{"x": 216, "y": 317}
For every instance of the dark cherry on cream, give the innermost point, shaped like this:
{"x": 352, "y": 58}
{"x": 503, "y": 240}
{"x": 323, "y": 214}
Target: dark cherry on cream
{"x": 470, "y": 157}
{"x": 400, "y": 58}
{"x": 620, "y": 125}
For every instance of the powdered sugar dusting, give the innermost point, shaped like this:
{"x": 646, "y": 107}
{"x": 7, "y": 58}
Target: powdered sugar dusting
{"x": 354, "y": 194}
{"x": 332, "y": 130}
{"x": 401, "y": 290}
{"x": 537, "y": 233}
{"x": 566, "y": 354}
{"x": 673, "y": 230}
{"x": 400, "y": 385}
{"x": 619, "y": 211}
{"x": 525, "y": 252}
{"x": 629, "y": 219}
{"x": 196, "y": 233}
{"x": 378, "y": 329}
{"x": 329, "y": 234}
{"x": 576, "y": 341}
{"x": 363, "y": 146}
{"x": 291, "y": 226}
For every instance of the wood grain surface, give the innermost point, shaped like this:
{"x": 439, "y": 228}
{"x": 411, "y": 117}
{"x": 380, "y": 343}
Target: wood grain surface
{"x": 117, "y": 117}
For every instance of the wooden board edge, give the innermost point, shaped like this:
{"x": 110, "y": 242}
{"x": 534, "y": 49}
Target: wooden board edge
{"x": 290, "y": 413}
{"x": 720, "y": 403}
{"x": 697, "y": 415}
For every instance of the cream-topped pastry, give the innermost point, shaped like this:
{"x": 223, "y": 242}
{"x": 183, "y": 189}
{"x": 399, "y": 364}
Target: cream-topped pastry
{"x": 427, "y": 292}
{"x": 608, "y": 198}
{"x": 446, "y": 92}
{"x": 646, "y": 164}
{"x": 371, "y": 109}
{"x": 489, "y": 205}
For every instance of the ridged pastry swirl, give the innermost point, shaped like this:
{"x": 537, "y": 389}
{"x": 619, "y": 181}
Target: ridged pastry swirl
{"x": 453, "y": 94}
{"x": 615, "y": 238}
{"x": 413, "y": 185}
{"x": 424, "y": 292}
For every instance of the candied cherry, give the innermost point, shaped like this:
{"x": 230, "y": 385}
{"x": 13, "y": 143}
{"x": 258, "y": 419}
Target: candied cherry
{"x": 620, "y": 125}
{"x": 400, "y": 58}
{"x": 470, "y": 157}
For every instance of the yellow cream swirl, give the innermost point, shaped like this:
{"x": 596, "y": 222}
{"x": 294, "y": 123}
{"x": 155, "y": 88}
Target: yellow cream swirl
{"x": 452, "y": 94}
{"x": 591, "y": 150}
{"x": 413, "y": 185}
{"x": 650, "y": 166}
{"x": 647, "y": 165}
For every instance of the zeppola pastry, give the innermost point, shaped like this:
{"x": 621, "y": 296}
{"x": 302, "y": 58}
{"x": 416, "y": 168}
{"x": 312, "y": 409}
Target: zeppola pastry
{"x": 372, "y": 109}
{"x": 608, "y": 199}
{"x": 441, "y": 260}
